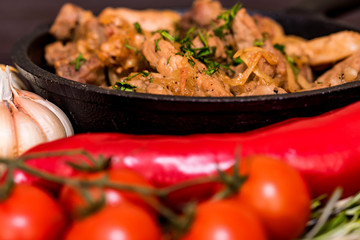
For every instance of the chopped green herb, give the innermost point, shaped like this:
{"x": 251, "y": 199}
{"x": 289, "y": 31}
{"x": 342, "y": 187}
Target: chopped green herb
{"x": 229, "y": 50}
{"x": 127, "y": 87}
{"x": 138, "y": 28}
{"x": 132, "y": 76}
{"x": 80, "y": 60}
{"x": 280, "y": 47}
{"x": 189, "y": 36}
{"x": 228, "y": 16}
{"x": 237, "y": 61}
{"x": 130, "y": 47}
{"x": 144, "y": 74}
{"x": 259, "y": 42}
{"x": 168, "y": 60}
{"x": 151, "y": 78}
{"x": 191, "y": 61}
{"x": 212, "y": 67}
{"x": 167, "y": 35}
{"x": 203, "y": 39}
{"x": 157, "y": 48}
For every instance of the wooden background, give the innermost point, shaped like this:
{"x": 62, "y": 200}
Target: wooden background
{"x": 20, "y": 17}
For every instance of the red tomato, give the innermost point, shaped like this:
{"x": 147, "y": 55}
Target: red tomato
{"x": 30, "y": 213}
{"x": 225, "y": 220}
{"x": 71, "y": 200}
{"x": 277, "y": 194}
{"x": 124, "y": 221}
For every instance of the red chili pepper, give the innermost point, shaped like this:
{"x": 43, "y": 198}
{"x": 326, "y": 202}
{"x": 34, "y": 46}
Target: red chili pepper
{"x": 325, "y": 149}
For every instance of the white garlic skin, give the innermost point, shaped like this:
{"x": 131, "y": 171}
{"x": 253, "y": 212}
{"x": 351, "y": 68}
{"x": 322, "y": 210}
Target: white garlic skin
{"x": 26, "y": 119}
{"x": 16, "y": 81}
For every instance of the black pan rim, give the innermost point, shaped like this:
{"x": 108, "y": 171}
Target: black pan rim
{"x": 20, "y": 58}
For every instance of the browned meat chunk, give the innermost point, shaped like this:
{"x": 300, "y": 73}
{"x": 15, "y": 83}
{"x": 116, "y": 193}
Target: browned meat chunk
{"x": 268, "y": 27}
{"x": 202, "y": 13}
{"x": 149, "y": 20}
{"x": 67, "y": 20}
{"x": 346, "y": 71}
{"x": 58, "y": 51}
{"x": 91, "y": 71}
{"x": 245, "y": 30}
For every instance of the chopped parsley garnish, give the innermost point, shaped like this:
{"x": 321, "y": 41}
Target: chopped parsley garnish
{"x": 237, "y": 61}
{"x": 143, "y": 73}
{"x": 127, "y": 87}
{"x": 280, "y": 47}
{"x": 228, "y": 16}
{"x": 138, "y": 28}
{"x": 212, "y": 67}
{"x": 157, "y": 48}
{"x": 204, "y": 54}
{"x": 130, "y": 47}
{"x": 259, "y": 42}
{"x": 191, "y": 61}
{"x": 80, "y": 60}
{"x": 167, "y": 35}
{"x": 151, "y": 78}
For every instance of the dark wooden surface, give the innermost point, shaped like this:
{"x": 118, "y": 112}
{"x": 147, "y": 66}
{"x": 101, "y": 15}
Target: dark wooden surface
{"x": 20, "y": 17}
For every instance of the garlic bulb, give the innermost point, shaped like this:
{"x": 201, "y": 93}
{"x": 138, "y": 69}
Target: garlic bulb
{"x": 27, "y": 119}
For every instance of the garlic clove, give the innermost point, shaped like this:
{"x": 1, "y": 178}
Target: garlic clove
{"x": 16, "y": 81}
{"x": 5, "y": 87}
{"x": 52, "y": 107}
{"x": 8, "y": 146}
{"x": 45, "y": 118}
{"x": 69, "y": 131}
{"x": 28, "y": 133}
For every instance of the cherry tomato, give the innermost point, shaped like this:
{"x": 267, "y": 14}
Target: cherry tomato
{"x": 124, "y": 221}
{"x": 225, "y": 220}
{"x": 71, "y": 200}
{"x": 30, "y": 213}
{"x": 277, "y": 194}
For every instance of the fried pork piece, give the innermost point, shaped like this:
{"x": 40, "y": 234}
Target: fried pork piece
{"x": 346, "y": 71}
{"x": 201, "y": 14}
{"x": 246, "y": 32}
{"x": 58, "y": 51}
{"x": 122, "y": 51}
{"x": 75, "y": 24}
{"x": 144, "y": 85}
{"x": 182, "y": 77}
{"x": 269, "y": 27}
{"x": 150, "y": 20}
{"x": 69, "y": 17}
{"x": 326, "y": 50}
{"x": 84, "y": 35}
{"x": 254, "y": 88}
{"x": 91, "y": 70}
